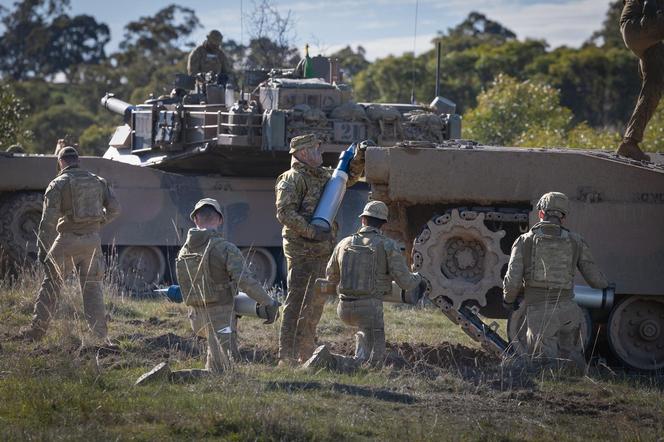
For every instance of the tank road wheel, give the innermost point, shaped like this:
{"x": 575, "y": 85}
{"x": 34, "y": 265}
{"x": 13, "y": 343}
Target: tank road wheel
{"x": 141, "y": 267}
{"x": 636, "y": 332}
{"x": 262, "y": 264}
{"x": 517, "y": 328}
{"x": 20, "y": 215}
{"x": 460, "y": 257}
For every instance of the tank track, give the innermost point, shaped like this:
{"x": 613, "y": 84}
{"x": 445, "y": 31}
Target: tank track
{"x": 461, "y": 259}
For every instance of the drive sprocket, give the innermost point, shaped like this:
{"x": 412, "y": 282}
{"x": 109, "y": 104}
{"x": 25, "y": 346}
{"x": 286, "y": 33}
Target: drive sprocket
{"x": 460, "y": 257}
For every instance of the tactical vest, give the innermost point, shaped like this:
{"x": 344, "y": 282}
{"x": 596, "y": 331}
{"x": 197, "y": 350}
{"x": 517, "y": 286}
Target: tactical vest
{"x": 311, "y": 196}
{"x": 550, "y": 259}
{"x": 198, "y": 285}
{"x": 87, "y": 197}
{"x": 364, "y": 270}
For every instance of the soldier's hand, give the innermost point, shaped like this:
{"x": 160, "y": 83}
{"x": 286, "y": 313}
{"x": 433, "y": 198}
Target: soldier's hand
{"x": 272, "y": 312}
{"x": 321, "y": 234}
{"x": 364, "y": 144}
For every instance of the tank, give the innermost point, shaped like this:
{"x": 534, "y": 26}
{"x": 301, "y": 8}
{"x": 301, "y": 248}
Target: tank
{"x": 458, "y": 206}
{"x": 170, "y": 151}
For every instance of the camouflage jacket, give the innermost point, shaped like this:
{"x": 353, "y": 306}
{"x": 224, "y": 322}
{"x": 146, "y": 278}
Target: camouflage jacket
{"x": 298, "y": 191}
{"x": 389, "y": 263}
{"x": 203, "y": 59}
{"x": 544, "y": 260}
{"x": 76, "y": 201}
{"x": 226, "y": 266}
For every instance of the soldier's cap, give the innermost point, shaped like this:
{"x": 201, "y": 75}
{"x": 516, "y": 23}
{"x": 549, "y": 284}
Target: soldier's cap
{"x": 375, "y": 209}
{"x": 67, "y": 152}
{"x": 303, "y": 142}
{"x": 206, "y": 202}
{"x": 215, "y": 37}
{"x": 554, "y": 201}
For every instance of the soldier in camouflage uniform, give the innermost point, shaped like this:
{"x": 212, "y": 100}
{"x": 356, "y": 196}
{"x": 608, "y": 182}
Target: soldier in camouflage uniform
{"x": 642, "y": 28}
{"x": 210, "y": 270}
{"x": 363, "y": 267}
{"x": 221, "y": 277}
{"x": 208, "y": 56}
{"x": 543, "y": 262}
{"x": 77, "y": 203}
{"x": 307, "y": 247}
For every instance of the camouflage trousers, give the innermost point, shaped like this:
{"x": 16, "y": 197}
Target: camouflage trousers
{"x": 367, "y": 315}
{"x": 645, "y": 41}
{"x": 554, "y": 333}
{"x": 303, "y": 308}
{"x": 218, "y": 324}
{"x": 72, "y": 252}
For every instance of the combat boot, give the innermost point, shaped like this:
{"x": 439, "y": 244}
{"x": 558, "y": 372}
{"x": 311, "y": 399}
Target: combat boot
{"x": 160, "y": 372}
{"x": 630, "y": 149}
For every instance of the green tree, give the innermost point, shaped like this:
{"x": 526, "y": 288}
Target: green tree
{"x": 351, "y": 62}
{"x": 56, "y": 122}
{"x": 40, "y": 39}
{"x": 94, "y": 140}
{"x": 12, "y": 114}
{"x": 510, "y": 112}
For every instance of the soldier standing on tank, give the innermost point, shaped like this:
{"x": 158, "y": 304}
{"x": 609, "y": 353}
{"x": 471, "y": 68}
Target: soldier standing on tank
{"x": 208, "y": 56}
{"x": 307, "y": 247}
{"x": 210, "y": 270}
{"x": 642, "y": 28}
{"x": 363, "y": 267}
{"x": 77, "y": 203}
{"x": 543, "y": 263}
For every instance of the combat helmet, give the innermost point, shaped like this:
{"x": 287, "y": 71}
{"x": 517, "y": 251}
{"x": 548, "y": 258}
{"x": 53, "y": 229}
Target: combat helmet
{"x": 554, "y": 202}
{"x": 375, "y": 209}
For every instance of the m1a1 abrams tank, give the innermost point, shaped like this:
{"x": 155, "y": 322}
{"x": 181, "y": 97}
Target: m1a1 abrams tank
{"x": 200, "y": 141}
{"x": 459, "y": 206}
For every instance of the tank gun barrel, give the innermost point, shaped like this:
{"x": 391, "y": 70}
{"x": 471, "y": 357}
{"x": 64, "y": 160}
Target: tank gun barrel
{"x": 118, "y": 106}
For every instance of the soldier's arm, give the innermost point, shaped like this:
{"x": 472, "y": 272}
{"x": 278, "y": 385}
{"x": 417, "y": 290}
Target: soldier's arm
{"x": 513, "y": 281}
{"x": 332, "y": 272}
{"x": 399, "y": 271}
{"x": 192, "y": 62}
{"x": 590, "y": 271}
{"x": 288, "y": 202}
{"x": 111, "y": 204}
{"x": 356, "y": 167}
{"x": 239, "y": 272}
{"x": 50, "y": 216}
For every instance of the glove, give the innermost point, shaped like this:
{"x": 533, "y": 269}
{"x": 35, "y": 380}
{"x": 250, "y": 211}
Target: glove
{"x": 272, "y": 312}
{"x": 511, "y": 306}
{"x": 364, "y": 144}
{"x": 320, "y": 234}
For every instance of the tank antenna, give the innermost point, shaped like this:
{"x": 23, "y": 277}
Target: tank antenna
{"x": 438, "y": 50}
{"x": 412, "y": 87}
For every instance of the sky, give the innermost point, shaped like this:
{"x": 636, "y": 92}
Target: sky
{"x": 382, "y": 27}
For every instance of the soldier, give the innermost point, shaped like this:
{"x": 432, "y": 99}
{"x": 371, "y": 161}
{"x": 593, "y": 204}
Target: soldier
{"x": 210, "y": 270}
{"x": 543, "y": 262}
{"x": 208, "y": 56}
{"x": 77, "y": 203}
{"x": 363, "y": 267}
{"x": 307, "y": 247}
{"x": 642, "y": 28}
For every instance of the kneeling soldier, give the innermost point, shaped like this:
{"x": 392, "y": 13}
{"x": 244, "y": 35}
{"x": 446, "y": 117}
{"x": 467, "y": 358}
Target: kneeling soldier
{"x": 209, "y": 271}
{"x": 363, "y": 267}
{"x": 543, "y": 262}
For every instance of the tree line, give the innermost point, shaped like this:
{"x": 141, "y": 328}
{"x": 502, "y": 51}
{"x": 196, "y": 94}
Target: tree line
{"x": 55, "y": 68}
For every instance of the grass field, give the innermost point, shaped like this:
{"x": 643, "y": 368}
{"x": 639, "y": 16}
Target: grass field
{"x": 441, "y": 387}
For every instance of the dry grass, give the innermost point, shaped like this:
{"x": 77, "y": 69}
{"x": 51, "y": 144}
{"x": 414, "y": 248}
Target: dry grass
{"x": 440, "y": 385}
